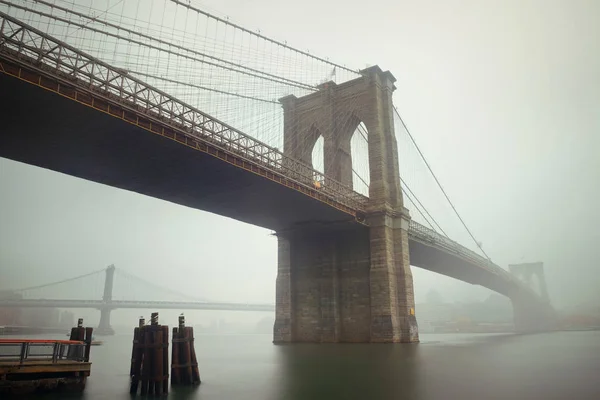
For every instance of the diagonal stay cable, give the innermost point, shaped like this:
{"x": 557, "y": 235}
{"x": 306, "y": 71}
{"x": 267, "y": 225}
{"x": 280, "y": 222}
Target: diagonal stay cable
{"x": 280, "y": 80}
{"x": 440, "y": 185}
{"x": 284, "y": 45}
{"x": 161, "y": 41}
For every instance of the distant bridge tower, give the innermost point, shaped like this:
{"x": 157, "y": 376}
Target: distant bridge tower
{"x": 353, "y": 284}
{"x": 527, "y": 272}
{"x": 532, "y": 314}
{"x": 104, "y": 327}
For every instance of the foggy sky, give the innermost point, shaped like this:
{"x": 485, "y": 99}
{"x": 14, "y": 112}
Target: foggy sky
{"x": 502, "y": 96}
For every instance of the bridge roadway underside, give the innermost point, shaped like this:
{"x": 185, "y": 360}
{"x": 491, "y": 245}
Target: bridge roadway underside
{"x": 42, "y": 128}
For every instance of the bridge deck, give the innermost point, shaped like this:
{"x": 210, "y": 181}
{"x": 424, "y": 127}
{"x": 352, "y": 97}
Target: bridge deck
{"x": 43, "y": 128}
{"x": 47, "y": 130}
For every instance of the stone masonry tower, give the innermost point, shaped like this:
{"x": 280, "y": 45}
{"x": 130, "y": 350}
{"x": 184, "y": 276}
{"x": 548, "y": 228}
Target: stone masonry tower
{"x": 532, "y": 314}
{"x": 104, "y": 327}
{"x": 527, "y": 271}
{"x": 353, "y": 285}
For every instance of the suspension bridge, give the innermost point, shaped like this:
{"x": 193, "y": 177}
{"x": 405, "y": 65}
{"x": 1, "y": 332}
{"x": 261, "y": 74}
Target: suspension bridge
{"x": 112, "y": 296}
{"x": 137, "y": 97}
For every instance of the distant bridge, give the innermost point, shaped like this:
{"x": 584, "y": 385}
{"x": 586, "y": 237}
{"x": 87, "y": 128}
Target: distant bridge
{"x": 344, "y": 256}
{"x": 108, "y": 303}
{"x": 155, "y": 305}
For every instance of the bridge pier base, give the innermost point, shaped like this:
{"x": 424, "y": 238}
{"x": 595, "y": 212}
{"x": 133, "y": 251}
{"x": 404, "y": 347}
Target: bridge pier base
{"x": 391, "y": 284}
{"x": 352, "y": 286}
{"x": 104, "y": 327}
{"x": 532, "y": 316}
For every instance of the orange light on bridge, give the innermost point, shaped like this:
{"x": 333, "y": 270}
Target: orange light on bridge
{"x": 317, "y": 185}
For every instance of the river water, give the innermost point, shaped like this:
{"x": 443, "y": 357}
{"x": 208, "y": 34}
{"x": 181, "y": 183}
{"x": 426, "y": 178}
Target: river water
{"x": 558, "y": 365}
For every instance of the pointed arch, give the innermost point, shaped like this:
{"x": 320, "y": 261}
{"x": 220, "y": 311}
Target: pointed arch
{"x": 353, "y": 153}
{"x": 359, "y": 149}
{"x": 318, "y": 154}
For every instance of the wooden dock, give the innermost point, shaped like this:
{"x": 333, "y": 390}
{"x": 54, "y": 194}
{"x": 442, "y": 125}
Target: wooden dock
{"x": 28, "y": 366}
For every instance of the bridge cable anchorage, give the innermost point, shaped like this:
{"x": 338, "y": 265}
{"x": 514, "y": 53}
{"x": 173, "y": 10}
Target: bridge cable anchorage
{"x": 59, "y": 282}
{"x": 284, "y": 45}
{"x": 117, "y": 36}
{"x": 440, "y": 185}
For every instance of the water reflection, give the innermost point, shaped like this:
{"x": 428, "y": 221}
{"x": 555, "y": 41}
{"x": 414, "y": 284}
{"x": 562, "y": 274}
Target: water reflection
{"x": 342, "y": 371}
{"x": 560, "y": 365}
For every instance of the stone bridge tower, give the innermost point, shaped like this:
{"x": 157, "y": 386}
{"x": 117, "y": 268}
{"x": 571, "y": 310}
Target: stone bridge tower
{"x": 353, "y": 284}
{"x": 527, "y": 271}
{"x": 532, "y": 314}
{"x": 104, "y": 327}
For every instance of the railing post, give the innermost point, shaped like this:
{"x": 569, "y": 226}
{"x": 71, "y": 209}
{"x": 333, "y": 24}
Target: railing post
{"x": 23, "y": 352}
{"x": 2, "y": 26}
{"x": 55, "y": 348}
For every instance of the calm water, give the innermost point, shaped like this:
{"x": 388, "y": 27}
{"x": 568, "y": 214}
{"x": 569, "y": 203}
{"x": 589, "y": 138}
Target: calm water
{"x": 561, "y": 365}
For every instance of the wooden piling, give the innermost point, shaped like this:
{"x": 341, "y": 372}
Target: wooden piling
{"x": 88, "y": 343}
{"x": 136, "y": 341}
{"x": 78, "y": 334}
{"x": 165, "y": 359}
{"x": 149, "y": 363}
{"x": 185, "y": 356}
{"x": 175, "y": 379}
{"x": 158, "y": 360}
{"x": 136, "y": 357}
{"x": 193, "y": 359}
{"x": 146, "y": 360}
{"x": 184, "y": 367}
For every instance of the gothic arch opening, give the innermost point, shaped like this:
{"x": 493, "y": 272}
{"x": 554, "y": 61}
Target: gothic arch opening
{"x": 536, "y": 284}
{"x": 318, "y": 156}
{"x": 359, "y": 151}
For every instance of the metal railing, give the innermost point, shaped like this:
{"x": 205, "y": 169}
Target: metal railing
{"x": 39, "y": 51}
{"x": 23, "y": 351}
{"x": 26, "y": 45}
{"x": 427, "y": 235}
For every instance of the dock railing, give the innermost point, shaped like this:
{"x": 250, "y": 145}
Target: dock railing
{"x": 22, "y": 351}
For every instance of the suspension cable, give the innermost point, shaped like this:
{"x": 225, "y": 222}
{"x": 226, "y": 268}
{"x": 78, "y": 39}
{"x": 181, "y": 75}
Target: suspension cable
{"x": 278, "y": 79}
{"x": 226, "y": 22}
{"x": 440, "y": 185}
{"x": 161, "y": 41}
{"x": 165, "y": 289}
{"x": 59, "y": 282}
{"x": 242, "y": 96}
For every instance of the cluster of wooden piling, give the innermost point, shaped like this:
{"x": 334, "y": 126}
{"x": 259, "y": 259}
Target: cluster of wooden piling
{"x": 184, "y": 365}
{"x": 150, "y": 357}
{"x": 81, "y": 334}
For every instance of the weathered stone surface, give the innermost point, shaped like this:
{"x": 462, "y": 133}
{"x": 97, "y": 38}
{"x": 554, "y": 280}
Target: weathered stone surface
{"x": 355, "y": 286}
{"x": 282, "y": 330}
